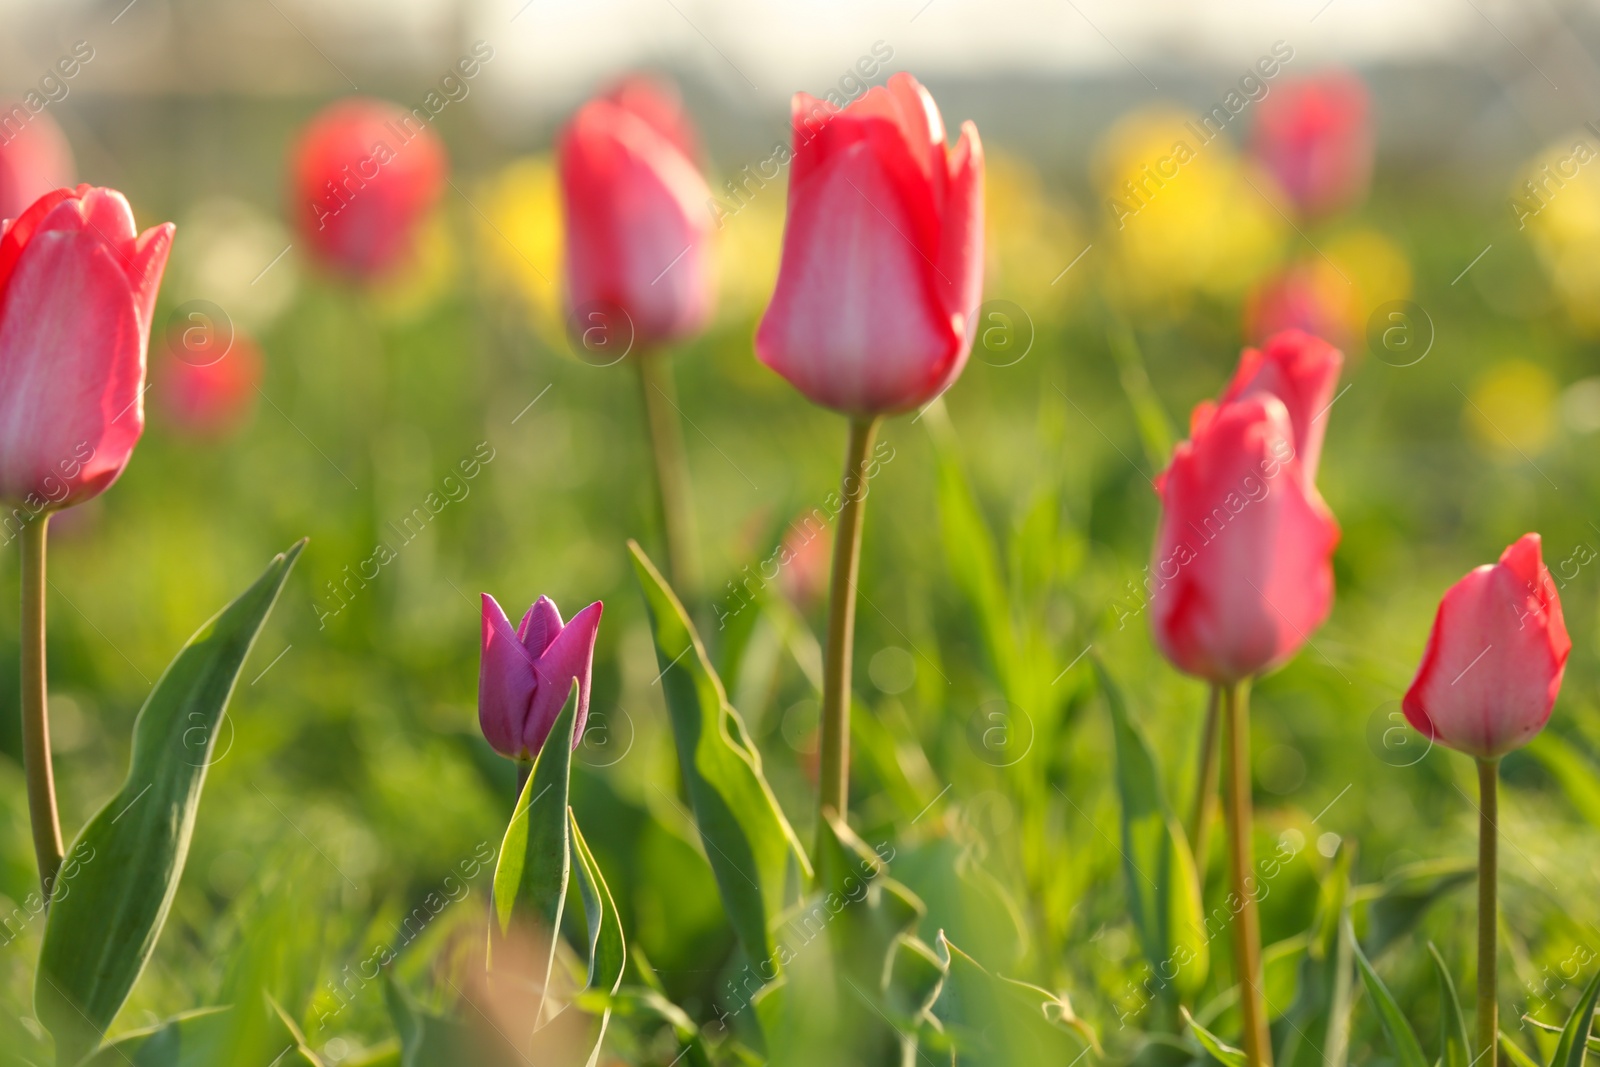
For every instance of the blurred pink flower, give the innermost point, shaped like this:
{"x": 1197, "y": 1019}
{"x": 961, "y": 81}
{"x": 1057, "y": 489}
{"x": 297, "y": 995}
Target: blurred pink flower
{"x": 33, "y": 160}
{"x": 363, "y": 176}
{"x": 212, "y": 398}
{"x": 1314, "y": 135}
{"x": 1298, "y": 298}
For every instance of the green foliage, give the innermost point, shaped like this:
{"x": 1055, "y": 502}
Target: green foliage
{"x": 749, "y": 843}
{"x": 112, "y": 898}
{"x": 1402, "y": 1038}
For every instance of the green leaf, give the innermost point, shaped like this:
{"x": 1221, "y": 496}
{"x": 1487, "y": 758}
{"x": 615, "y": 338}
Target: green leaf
{"x": 1453, "y": 1046}
{"x": 1155, "y": 428}
{"x": 993, "y": 1021}
{"x": 608, "y": 952}
{"x": 428, "y": 1040}
{"x": 1222, "y": 1052}
{"x": 530, "y": 880}
{"x": 1568, "y": 767}
{"x": 749, "y": 844}
{"x": 1514, "y": 1053}
{"x": 1402, "y": 1039}
{"x": 193, "y": 1039}
{"x": 122, "y": 872}
{"x": 1163, "y": 889}
{"x": 1540, "y": 1024}
{"x": 1397, "y": 904}
{"x": 1322, "y": 997}
{"x": 1573, "y": 1047}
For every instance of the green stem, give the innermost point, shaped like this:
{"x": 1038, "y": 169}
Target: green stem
{"x": 1488, "y": 911}
{"x": 663, "y": 421}
{"x": 835, "y": 792}
{"x": 35, "y": 710}
{"x": 1205, "y": 795}
{"x": 1247, "y": 923}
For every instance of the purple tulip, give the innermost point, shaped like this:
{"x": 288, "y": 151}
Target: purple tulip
{"x": 525, "y": 675}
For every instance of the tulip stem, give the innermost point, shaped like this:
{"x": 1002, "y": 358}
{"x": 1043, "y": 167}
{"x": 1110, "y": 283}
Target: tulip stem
{"x": 1488, "y": 911}
{"x": 1235, "y": 699}
{"x": 35, "y": 710}
{"x": 663, "y": 421}
{"x": 835, "y": 791}
{"x": 1205, "y": 790}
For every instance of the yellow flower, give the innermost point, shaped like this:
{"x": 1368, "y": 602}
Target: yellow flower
{"x": 1556, "y": 200}
{"x": 1030, "y": 239}
{"x": 1513, "y": 408}
{"x": 520, "y": 238}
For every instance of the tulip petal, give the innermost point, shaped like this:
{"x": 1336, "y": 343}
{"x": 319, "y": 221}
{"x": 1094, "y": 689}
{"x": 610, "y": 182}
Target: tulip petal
{"x": 856, "y": 323}
{"x": 659, "y": 106}
{"x": 1302, "y": 371}
{"x": 506, "y": 684}
{"x": 539, "y": 627}
{"x": 71, "y": 372}
{"x": 145, "y": 266}
{"x": 570, "y": 655}
{"x": 21, "y": 229}
{"x": 961, "y": 238}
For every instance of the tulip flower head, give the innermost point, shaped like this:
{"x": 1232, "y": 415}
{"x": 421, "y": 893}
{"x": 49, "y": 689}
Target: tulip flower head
{"x": 1494, "y": 660}
{"x": 639, "y": 233}
{"x": 33, "y": 160}
{"x": 1301, "y": 370}
{"x": 1315, "y": 137}
{"x": 525, "y": 674}
{"x": 364, "y": 176}
{"x": 1243, "y": 560}
{"x": 211, "y": 395}
{"x": 1299, "y": 298}
{"x": 77, "y": 291}
{"x": 882, "y": 266}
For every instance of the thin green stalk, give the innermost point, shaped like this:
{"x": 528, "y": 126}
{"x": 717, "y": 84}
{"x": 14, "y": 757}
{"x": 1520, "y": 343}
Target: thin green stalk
{"x": 663, "y": 421}
{"x": 1205, "y": 794}
{"x": 35, "y": 710}
{"x": 1488, "y": 911}
{"x": 835, "y": 792}
{"x": 1247, "y": 923}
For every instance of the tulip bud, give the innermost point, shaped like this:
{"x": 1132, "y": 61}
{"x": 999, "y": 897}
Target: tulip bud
{"x": 33, "y": 160}
{"x": 1315, "y": 137}
{"x": 1301, "y": 370}
{"x": 525, "y": 674}
{"x": 365, "y": 174}
{"x": 882, "y": 266}
{"x": 77, "y": 291}
{"x": 638, "y": 222}
{"x": 1493, "y": 665}
{"x": 211, "y": 395}
{"x": 1243, "y": 561}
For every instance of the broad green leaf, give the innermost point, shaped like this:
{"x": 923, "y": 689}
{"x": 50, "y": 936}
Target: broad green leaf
{"x": 1320, "y": 1011}
{"x": 1395, "y": 905}
{"x": 1574, "y": 1045}
{"x": 530, "y": 880}
{"x": 608, "y": 953}
{"x": 428, "y": 1040}
{"x": 748, "y": 841}
{"x": 1575, "y": 773}
{"x": 1453, "y": 1045}
{"x": 193, "y": 1039}
{"x": 632, "y": 1002}
{"x": 1220, "y": 1050}
{"x": 1402, "y": 1038}
{"x": 122, "y": 871}
{"x": 1163, "y": 889}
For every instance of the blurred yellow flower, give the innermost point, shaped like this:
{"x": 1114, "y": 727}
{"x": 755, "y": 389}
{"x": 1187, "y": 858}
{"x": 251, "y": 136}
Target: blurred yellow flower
{"x": 1556, "y": 200}
{"x": 1030, "y": 238}
{"x": 428, "y": 275}
{"x": 1512, "y": 408}
{"x": 1185, "y": 215}
{"x": 520, "y": 238}
{"x": 749, "y": 244}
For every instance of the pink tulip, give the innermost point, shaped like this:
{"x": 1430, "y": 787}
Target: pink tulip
{"x": 1243, "y": 560}
{"x": 1300, "y": 370}
{"x": 882, "y": 267}
{"x": 1494, "y": 660}
{"x": 1315, "y": 137}
{"x": 210, "y": 397}
{"x": 1297, "y": 299}
{"x": 639, "y": 227}
{"x": 365, "y": 174}
{"x": 33, "y": 160}
{"x": 77, "y": 290}
{"x": 524, "y": 675}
